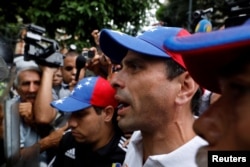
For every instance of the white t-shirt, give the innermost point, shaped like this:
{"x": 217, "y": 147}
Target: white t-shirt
{"x": 183, "y": 156}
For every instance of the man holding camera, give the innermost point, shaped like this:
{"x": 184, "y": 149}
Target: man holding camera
{"x": 47, "y": 114}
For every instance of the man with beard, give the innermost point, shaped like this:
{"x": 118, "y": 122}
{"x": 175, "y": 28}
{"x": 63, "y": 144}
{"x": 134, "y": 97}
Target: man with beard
{"x": 220, "y": 62}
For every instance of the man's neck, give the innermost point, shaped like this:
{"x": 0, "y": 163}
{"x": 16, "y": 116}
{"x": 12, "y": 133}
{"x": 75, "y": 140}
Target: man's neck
{"x": 167, "y": 138}
{"x": 104, "y": 139}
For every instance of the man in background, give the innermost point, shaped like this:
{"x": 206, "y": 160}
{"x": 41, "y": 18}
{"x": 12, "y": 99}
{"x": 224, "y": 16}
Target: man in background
{"x": 220, "y": 62}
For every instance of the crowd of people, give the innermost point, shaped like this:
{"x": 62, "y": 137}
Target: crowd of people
{"x": 162, "y": 98}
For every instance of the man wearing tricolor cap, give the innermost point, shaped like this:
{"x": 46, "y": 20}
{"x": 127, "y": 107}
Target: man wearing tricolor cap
{"x": 95, "y": 139}
{"x": 220, "y": 62}
{"x": 157, "y": 98}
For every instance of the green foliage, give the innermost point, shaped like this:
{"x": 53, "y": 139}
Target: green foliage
{"x": 77, "y": 17}
{"x": 175, "y": 13}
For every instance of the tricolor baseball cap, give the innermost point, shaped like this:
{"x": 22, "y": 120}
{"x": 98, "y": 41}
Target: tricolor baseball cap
{"x": 116, "y": 44}
{"x": 90, "y": 91}
{"x": 205, "y": 54}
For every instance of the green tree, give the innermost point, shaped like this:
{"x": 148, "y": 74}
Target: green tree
{"x": 76, "y": 17}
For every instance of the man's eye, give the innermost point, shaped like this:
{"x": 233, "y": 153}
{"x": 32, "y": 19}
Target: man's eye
{"x": 133, "y": 66}
{"x": 25, "y": 84}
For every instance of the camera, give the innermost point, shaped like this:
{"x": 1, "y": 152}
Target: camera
{"x": 43, "y": 51}
{"x": 88, "y": 55}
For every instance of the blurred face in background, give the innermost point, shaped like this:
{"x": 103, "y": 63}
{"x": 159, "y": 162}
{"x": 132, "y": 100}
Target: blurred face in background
{"x": 57, "y": 78}
{"x": 28, "y": 85}
{"x": 225, "y": 125}
{"x": 69, "y": 69}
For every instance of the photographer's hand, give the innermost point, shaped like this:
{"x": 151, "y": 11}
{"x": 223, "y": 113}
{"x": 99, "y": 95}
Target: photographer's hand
{"x": 99, "y": 64}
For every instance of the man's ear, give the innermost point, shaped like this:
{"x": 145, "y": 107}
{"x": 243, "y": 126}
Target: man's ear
{"x": 188, "y": 88}
{"x": 108, "y": 113}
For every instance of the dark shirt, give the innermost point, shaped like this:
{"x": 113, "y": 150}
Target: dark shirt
{"x": 73, "y": 154}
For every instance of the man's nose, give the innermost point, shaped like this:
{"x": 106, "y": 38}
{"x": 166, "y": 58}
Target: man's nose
{"x": 74, "y": 71}
{"x": 72, "y": 121}
{"x": 116, "y": 80}
{"x": 33, "y": 87}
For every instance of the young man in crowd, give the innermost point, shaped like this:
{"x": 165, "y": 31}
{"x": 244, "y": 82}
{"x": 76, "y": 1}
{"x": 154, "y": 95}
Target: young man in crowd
{"x": 220, "y": 62}
{"x": 157, "y": 98}
{"x": 95, "y": 139}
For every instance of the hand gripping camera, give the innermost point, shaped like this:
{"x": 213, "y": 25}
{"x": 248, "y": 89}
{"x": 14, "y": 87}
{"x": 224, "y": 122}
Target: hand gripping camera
{"x": 42, "y": 50}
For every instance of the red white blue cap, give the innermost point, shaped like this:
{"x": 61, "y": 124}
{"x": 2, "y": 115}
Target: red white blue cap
{"x": 90, "y": 91}
{"x": 116, "y": 44}
{"x": 205, "y": 53}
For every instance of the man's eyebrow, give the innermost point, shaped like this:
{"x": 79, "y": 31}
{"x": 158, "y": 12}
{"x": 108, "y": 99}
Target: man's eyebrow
{"x": 133, "y": 60}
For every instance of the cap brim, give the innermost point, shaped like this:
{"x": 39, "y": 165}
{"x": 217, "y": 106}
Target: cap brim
{"x": 205, "y": 53}
{"x": 116, "y": 45}
{"x": 69, "y": 104}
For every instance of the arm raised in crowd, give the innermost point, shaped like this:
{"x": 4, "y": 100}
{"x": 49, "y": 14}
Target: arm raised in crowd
{"x": 44, "y": 113}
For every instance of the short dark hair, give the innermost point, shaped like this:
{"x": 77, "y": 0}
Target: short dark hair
{"x": 71, "y": 53}
{"x": 114, "y": 118}
{"x": 98, "y": 110}
{"x": 173, "y": 69}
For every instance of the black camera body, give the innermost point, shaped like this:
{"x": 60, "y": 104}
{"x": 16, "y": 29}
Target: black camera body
{"x": 88, "y": 55}
{"x": 42, "y": 50}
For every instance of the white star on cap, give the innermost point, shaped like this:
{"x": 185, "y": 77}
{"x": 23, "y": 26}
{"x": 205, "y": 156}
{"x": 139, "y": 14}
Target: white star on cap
{"x": 79, "y": 86}
{"x": 60, "y": 101}
{"x": 87, "y": 83}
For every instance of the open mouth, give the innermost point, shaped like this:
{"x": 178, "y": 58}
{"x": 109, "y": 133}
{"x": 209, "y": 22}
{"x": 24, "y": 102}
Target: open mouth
{"x": 122, "y": 106}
